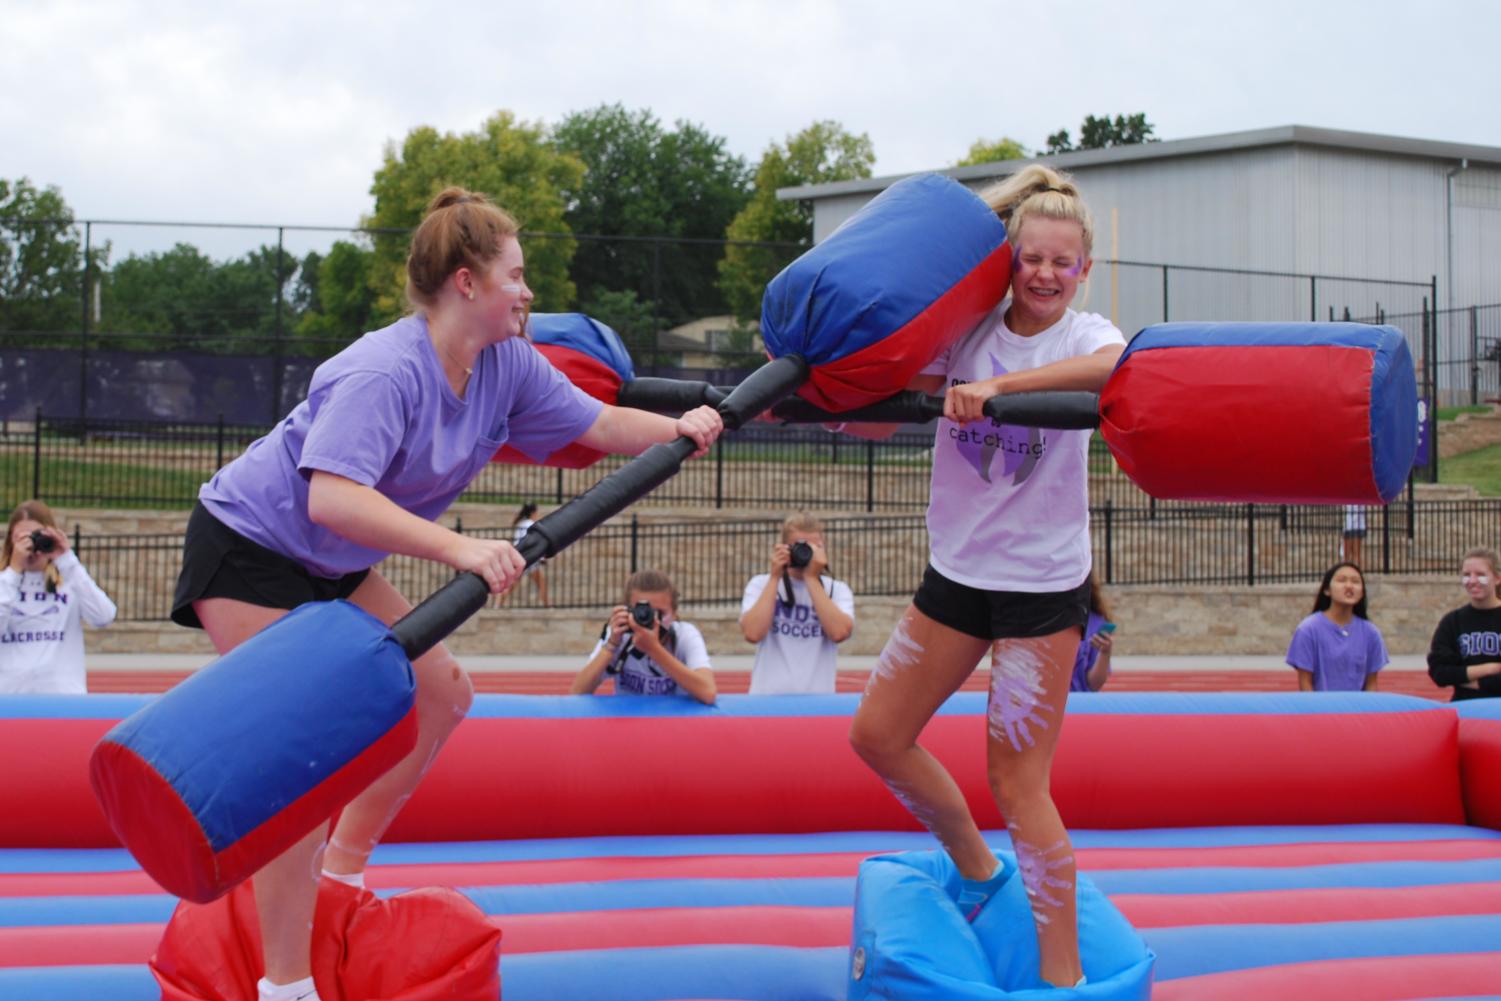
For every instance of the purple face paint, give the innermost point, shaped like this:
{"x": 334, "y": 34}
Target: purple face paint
{"x": 1016, "y": 694}
{"x": 1045, "y": 874}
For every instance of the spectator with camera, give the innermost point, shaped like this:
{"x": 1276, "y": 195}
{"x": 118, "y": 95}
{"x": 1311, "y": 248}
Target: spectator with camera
{"x": 45, "y": 596}
{"x": 646, "y": 649}
{"x": 796, "y": 614}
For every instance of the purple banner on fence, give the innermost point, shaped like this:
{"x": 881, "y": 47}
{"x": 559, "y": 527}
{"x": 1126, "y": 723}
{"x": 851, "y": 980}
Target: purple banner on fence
{"x": 185, "y": 386}
{"x": 1425, "y": 433}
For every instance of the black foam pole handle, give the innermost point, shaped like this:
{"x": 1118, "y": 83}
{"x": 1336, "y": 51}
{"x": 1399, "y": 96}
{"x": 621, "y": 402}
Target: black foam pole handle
{"x": 448, "y": 608}
{"x": 664, "y": 396}
{"x": 1058, "y": 409}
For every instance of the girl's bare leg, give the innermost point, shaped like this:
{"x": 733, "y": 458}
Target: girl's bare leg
{"x": 1029, "y": 681}
{"x": 923, "y": 663}
{"x": 444, "y": 694}
{"x": 286, "y": 888}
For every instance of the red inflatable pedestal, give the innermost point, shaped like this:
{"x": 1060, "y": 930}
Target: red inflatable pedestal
{"x": 422, "y": 945}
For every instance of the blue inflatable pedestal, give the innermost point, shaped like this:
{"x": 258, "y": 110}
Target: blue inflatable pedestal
{"x": 911, "y": 942}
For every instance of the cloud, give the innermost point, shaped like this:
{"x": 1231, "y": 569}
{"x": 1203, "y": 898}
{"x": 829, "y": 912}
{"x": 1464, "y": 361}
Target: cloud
{"x": 278, "y": 112}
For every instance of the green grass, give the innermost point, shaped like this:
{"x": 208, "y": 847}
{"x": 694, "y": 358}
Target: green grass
{"x": 1449, "y": 413}
{"x": 1480, "y": 469}
{"x": 79, "y": 483}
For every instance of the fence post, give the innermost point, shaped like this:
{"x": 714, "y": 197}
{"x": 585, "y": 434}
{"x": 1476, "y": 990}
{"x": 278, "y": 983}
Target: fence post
{"x": 276, "y": 345}
{"x": 1164, "y": 293}
{"x": 219, "y": 444}
{"x": 1430, "y": 342}
{"x": 635, "y": 541}
{"x": 1386, "y": 538}
{"x": 458, "y": 524}
{"x": 1474, "y": 356}
{"x": 558, "y": 489}
{"x": 1250, "y": 545}
{"x": 78, "y": 540}
{"x": 1109, "y": 541}
{"x": 1411, "y": 510}
{"x": 36, "y": 456}
{"x": 870, "y": 475}
{"x": 718, "y": 473}
{"x": 83, "y": 327}
{"x": 1313, "y": 299}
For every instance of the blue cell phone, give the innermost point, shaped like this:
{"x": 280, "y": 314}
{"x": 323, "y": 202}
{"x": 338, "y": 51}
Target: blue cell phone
{"x": 1108, "y": 627}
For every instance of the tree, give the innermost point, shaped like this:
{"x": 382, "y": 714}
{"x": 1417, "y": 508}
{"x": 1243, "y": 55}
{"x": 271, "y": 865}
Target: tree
{"x": 820, "y": 153}
{"x": 1100, "y": 133}
{"x": 341, "y": 303}
{"x": 641, "y": 180}
{"x": 183, "y": 293}
{"x": 41, "y": 260}
{"x": 993, "y": 150}
{"x": 512, "y": 163}
{"x": 628, "y": 316}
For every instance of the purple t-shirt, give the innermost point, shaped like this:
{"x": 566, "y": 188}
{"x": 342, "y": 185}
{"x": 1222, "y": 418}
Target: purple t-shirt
{"x": 381, "y": 413}
{"x": 1087, "y": 656}
{"x": 1338, "y": 657}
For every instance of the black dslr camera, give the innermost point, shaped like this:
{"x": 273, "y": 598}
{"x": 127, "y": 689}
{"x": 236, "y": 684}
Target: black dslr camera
{"x": 799, "y": 555}
{"x": 644, "y": 614}
{"x": 41, "y": 542}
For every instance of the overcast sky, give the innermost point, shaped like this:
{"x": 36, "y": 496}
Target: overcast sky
{"x": 277, "y": 112}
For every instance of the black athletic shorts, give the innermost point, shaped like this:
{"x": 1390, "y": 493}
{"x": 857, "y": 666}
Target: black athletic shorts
{"x": 218, "y": 562}
{"x": 994, "y": 615}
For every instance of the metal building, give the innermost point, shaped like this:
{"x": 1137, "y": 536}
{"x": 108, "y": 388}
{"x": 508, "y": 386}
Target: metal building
{"x": 1356, "y": 225}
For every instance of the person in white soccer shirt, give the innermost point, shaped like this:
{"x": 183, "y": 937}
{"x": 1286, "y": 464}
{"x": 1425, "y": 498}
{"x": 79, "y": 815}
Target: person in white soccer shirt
{"x": 796, "y": 615}
{"x": 45, "y": 597}
{"x": 1008, "y": 523}
{"x": 647, "y": 649}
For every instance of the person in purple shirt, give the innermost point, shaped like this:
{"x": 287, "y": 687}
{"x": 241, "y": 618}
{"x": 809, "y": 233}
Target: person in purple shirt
{"x": 393, "y": 429}
{"x": 1092, "y": 662}
{"x": 1336, "y": 648}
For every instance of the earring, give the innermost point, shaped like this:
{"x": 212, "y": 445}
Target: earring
{"x": 471, "y": 295}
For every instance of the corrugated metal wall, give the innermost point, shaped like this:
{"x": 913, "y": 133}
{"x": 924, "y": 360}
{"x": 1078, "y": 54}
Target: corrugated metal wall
{"x": 1291, "y": 208}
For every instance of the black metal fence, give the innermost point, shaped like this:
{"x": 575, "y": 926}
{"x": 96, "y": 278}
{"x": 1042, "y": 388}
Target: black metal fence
{"x": 71, "y": 462}
{"x": 241, "y": 323}
{"x": 710, "y": 561}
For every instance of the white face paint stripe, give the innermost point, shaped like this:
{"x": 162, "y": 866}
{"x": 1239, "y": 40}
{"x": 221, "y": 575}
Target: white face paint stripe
{"x": 903, "y": 793}
{"x": 901, "y": 652}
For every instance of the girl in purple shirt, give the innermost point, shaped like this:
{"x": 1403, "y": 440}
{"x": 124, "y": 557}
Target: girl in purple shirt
{"x": 1336, "y": 648}
{"x": 393, "y": 429}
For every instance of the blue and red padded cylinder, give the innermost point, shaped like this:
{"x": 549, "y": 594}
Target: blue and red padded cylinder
{"x": 1264, "y": 412}
{"x": 217, "y": 776}
{"x": 593, "y": 358}
{"x": 890, "y": 290}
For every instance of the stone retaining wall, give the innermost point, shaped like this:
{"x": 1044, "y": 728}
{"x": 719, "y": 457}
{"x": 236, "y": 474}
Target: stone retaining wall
{"x": 1168, "y": 621}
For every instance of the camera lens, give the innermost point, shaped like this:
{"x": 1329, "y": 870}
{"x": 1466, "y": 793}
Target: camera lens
{"x": 42, "y": 542}
{"x": 799, "y": 555}
{"x": 644, "y": 614}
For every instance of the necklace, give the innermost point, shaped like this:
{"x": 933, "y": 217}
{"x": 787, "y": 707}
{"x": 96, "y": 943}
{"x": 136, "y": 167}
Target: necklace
{"x": 466, "y": 368}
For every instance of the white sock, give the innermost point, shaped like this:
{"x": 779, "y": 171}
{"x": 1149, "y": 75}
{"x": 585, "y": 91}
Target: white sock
{"x": 355, "y": 879}
{"x": 301, "y": 990}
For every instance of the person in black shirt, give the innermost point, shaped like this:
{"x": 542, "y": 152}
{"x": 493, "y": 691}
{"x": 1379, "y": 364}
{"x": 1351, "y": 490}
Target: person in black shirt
{"x": 1466, "y": 648}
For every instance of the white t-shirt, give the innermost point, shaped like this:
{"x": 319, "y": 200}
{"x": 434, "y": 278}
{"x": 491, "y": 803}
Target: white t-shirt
{"x": 41, "y": 636}
{"x": 640, "y": 675}
{"x": 795, "y": 655}
{"x": 1009, "y": 509}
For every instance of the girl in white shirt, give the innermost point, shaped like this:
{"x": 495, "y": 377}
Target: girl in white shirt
{"x": 1008, "y": 521}
{"x": 45, "y": 597}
